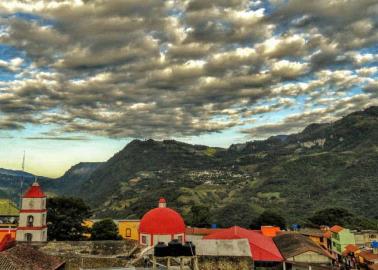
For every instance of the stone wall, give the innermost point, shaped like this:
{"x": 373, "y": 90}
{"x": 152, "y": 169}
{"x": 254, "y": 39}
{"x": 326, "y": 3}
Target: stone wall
{"x": 224, "y": 263}
{"x": 88, "y": 248}
{"x": 91, "y": 254}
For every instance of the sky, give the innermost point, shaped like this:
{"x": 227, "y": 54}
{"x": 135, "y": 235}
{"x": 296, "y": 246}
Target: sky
{"x": 80, "y": 79}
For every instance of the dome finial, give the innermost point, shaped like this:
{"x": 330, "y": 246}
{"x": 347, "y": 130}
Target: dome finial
{"x": 162, "y": 203}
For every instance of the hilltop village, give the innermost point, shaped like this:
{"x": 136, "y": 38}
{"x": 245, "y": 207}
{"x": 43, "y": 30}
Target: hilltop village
{"x": 161, "y": 240}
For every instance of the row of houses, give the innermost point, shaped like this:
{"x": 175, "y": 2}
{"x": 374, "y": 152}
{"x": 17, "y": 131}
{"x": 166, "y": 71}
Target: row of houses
{"x": 267, "y": 248}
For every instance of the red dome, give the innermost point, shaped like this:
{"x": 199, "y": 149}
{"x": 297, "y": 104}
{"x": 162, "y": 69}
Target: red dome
{"x": 162, "y": 200}
{"x": 162, "y": 221}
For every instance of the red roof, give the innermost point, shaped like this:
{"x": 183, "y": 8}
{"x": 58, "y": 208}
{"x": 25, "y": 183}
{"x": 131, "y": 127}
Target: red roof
{"x": 200, "y": 231}
{"x": 162, "y": 220}
{"x": 336, "y": 229}
{"x": 262, "y": 247}
{"x": 327, "y": 234}
{"x": 350, "y": 248}
{"x": 162, "y": 200}
{"x": 34, "y": 191}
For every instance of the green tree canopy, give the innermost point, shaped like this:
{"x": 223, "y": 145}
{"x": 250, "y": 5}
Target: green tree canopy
{"x": 65, "y": 217}
{"x": 268, "y": 218}
{"x": 342, "y": 217}
{"x": 200, "y": 216}
{"x": 105, "y": 229}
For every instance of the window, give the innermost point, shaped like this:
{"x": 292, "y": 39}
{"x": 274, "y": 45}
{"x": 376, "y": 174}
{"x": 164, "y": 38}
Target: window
{"x": 128, "y": 232}
{"x": 144, "y": 239}
{"x": 30, "y": 221}
{"x": 43, "y": 219}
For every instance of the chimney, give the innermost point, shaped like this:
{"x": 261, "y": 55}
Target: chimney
{"x": 162, "y": 203}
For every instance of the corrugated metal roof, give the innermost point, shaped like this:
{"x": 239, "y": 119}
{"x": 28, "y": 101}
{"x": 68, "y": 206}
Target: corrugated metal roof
{"x": 262, "y": 247}
{"x": 8, "y": 208}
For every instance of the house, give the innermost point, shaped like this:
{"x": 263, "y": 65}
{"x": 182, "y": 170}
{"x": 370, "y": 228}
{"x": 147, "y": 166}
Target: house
{"x": 8, "y": 218}
{"x": 315, "y": 235}
{"x": 270, "y": 231}
{"x": 264, "y": 251}
{"x": 364, "y": 238}
{"x": 300, "y": 252}
{"x": 161, "y": 224}
{"x": 8, "y": 214}
{"x": 341, "y": 237}
{"x": 26, "y": 257}
{"x": 368, "y": 258}
{"x": 128, "y": 228}
{"x": 350, "y": 254}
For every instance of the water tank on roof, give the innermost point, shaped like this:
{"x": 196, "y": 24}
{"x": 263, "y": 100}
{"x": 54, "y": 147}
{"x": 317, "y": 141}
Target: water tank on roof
{"x": 189, "y": 249}
{"x": 161, "y": 250}
{"x": 374, "y": 244}
{"x": 175, "y": 248}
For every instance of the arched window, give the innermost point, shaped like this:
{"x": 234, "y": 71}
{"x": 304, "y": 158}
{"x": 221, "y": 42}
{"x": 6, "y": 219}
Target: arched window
{"x": 30, "y": 221}
{"x": 28, "y": 237}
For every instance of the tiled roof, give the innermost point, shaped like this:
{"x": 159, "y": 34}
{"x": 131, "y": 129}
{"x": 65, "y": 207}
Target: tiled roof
{"x": 294, "y": 244}
{"x": 350, "y": 248}
{"x": 7, "y": 208}
{"x": 200, "y": 231}
{"x": 369, "y": 256}
{"x": 336, "y": 229}
{"x": 327, "y": 234}
{"x": 23, "y": 257}
{"x": 311, "y": 232}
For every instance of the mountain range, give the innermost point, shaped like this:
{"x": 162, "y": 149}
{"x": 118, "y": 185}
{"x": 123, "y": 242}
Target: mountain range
{"x": 325, "y": 165}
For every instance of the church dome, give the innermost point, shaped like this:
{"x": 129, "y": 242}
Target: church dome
{"x": 162, "y": 221}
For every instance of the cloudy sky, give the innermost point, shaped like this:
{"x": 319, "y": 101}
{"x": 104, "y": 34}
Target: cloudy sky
{"x": 81, "y": 78}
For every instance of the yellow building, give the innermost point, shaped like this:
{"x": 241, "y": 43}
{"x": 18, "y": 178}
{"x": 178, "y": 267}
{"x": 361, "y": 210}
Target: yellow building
{"x": 127, "y": 228}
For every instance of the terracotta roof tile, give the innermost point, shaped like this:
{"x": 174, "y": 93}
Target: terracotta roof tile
{"x": 23, "y": 257}
{"x": 336, "y": 229}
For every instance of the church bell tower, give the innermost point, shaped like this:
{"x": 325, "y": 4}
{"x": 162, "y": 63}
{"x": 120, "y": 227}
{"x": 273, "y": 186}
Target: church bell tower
{"x": 32, "y": 223}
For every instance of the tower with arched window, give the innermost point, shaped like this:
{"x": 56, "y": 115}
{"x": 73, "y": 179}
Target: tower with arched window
{"x": 32, "y": 222}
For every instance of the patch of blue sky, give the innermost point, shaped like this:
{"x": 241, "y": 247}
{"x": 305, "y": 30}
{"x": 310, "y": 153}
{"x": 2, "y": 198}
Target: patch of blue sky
{"x": 32, "y": 18}
{"x": 7, "y": 75}
{"x": 8, "y": 52}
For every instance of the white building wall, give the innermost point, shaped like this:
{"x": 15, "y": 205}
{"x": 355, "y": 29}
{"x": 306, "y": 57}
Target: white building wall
{"x": 37, "y": 235}
{"x": 311, "y": 257}
{"x": 39, "y": 219}
{"x": 34, "y": 203}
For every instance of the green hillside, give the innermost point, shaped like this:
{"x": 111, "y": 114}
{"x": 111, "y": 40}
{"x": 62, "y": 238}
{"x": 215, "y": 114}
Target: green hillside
{"x": 326, "y": 165}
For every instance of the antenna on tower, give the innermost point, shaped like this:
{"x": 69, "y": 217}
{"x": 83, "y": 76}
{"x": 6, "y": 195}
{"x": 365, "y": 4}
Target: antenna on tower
{"x": 22, "y": 179}
{"x": 23, "y": 162}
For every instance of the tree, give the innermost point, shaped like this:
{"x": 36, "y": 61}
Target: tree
{"x": 332, "y": 216}
{"x": 200, "y": 216}
{"x": 270, "y": 218}
{"x": 342, "y": 217}
{"x": 105, "y": 229}
{"x": 65, "y": 217}
{"x": 237, "y": 213}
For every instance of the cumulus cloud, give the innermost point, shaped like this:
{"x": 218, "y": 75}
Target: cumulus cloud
{"x": 160, "y": 69}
